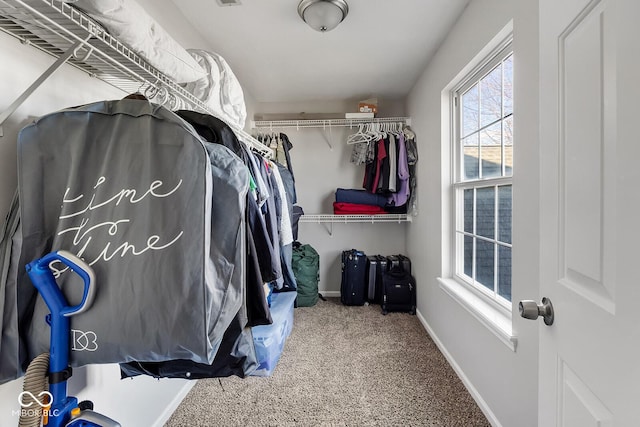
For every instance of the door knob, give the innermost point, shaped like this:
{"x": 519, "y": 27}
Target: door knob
{"x": 531, "y": 310}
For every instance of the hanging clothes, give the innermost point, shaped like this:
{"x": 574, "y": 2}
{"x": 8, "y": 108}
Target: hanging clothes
{"x": 393, "y": 165}
{"x": 273, "y": 214}
{"x": 216, "y": 131}
{"x": 400, "y": 197}
{"x": 235, "y": 356}
{"x": 149, "y": 235}
{"x": 389, "y": 169}
{"x": 412, "y": 160}
{"x": 286, "y": 233}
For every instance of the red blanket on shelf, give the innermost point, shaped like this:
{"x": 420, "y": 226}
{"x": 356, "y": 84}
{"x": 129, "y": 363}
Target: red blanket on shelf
{"x": 356, "y": 209}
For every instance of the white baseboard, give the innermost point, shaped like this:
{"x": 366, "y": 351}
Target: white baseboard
{"x": 491, "y": 417}
{"x": 173, "y": 405}
{"x": 330, "y": 294}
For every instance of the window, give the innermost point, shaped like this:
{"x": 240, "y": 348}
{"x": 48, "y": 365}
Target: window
{"x": 483, "y": 165}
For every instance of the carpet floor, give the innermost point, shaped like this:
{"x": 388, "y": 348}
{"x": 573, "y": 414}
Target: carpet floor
{"x": 341, "y": 366}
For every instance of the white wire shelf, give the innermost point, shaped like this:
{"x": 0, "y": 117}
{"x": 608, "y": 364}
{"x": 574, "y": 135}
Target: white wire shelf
{"x": 324, "y": 123}
{"x": 54, "y": 27}
{"x": 344, "y": 219}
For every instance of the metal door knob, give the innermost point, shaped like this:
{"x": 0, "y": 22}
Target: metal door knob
{"x": 531, "y": 310}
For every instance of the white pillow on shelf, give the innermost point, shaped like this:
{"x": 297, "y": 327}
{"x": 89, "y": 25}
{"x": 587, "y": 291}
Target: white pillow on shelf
{"x": 220, "y": 89}
{"x": 129, "y": 23}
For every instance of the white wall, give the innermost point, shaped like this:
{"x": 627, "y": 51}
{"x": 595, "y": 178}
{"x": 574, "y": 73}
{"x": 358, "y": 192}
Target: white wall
{"x": 319, "y": 171}
{"x": 503, "y": 382}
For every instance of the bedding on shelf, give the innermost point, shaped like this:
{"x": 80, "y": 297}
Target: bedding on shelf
{"x": 128, "y": 22}
{"x": 219, "y": 89}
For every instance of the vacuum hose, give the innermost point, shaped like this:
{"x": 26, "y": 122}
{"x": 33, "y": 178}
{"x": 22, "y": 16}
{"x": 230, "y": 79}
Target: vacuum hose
{"x": 35, "y": 382}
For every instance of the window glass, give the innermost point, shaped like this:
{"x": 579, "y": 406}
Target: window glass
{"x": 504, "y": 213}
{"x": 504, "y": 272}
{"x": 484, "y": 138}
{"x": 468, "y": 211}
{"x": 507, "y": 67}
{"x": 470, "y": 111}
{"x": 468, "y": 256}
{"x": 491, "y": 97}
{"x": 485, "y": 212}
{"x": 485, "y": 263}
{"x": 471, "y": 154}
{"x": 507, "y": 137}
{"x": 491, "y": 150}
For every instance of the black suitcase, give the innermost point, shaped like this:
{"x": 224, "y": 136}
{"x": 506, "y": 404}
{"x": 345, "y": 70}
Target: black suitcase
{"x": 399, "y": 261}
{"x": 354, "y": 269}
{"x": 376, "y": 266}
{"x": 398, "y": 291}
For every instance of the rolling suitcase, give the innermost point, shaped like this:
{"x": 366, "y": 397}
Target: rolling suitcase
{"x": 398, "y": 291}
{"x": 376, "y": 266}
{"x": 399, "y": 261}
{"x": 353, "y": 286}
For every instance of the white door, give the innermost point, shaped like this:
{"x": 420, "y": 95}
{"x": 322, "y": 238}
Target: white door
{"x": 590, "y": 213}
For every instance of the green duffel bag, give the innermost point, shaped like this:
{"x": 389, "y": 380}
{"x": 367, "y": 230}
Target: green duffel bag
{"x": 306, "y": 264}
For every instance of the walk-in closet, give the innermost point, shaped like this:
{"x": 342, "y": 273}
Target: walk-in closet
{"x": 318, "y": 213}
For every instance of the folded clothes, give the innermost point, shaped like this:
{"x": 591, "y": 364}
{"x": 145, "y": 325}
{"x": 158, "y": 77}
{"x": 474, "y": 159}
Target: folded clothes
{"x": 361, "y": 197}
{"x": 396, "y": 209}
{"x": 356, "y": 209}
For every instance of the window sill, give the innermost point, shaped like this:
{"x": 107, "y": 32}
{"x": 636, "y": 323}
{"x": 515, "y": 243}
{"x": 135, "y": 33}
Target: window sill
{"x": 493, "y": 319}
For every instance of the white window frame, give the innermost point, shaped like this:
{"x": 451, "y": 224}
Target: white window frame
{"x": 458, "y": 184}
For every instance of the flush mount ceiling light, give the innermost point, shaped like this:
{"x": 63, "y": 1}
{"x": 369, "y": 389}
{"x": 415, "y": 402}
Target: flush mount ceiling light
{"x": 323, "y": 15}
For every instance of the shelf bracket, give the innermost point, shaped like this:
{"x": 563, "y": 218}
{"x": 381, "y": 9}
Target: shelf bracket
{"x": 328, "y": 138}
{"x": 329, "y": 227}
{"x": 72, "y": 51}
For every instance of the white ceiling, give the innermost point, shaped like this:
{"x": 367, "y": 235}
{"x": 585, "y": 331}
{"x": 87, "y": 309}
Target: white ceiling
{"x": 380, "y": 49}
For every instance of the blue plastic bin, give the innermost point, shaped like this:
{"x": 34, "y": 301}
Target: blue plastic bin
{"x": 269, "y": 340}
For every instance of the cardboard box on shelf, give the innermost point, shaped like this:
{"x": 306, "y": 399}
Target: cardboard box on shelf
{"x": 368, "y": 106}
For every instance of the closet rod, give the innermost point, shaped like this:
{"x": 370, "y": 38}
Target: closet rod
{"x": 324, "y": 123}
{"x": 344, "y": 219}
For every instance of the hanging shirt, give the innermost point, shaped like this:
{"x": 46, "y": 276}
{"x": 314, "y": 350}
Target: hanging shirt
{"x": 286, "y": 233}
{"x": 281, "y": 156}
{"x": 400, "y": 197}
{"x": 383, "y": 183}
{"x": 370, "y": 169}
{"x": 382, "y": 154}
{"x": 359, "y": 153}
{"x": 272, "y": 210}
{"x": 262, "y": 188}
{"x": 393, "y": 164}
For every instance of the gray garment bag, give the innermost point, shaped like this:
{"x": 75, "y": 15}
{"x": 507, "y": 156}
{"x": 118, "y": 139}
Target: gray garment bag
{"x": 12, "y": 351}
{"x": 127, "y": 185}
{"x": 230, "y": 179}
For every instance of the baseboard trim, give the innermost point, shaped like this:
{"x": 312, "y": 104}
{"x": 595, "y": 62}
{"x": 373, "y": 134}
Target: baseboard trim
{"x": 330, "y": 294}
{"x": 173, "y": 405}
{"x": 486, "y": 410}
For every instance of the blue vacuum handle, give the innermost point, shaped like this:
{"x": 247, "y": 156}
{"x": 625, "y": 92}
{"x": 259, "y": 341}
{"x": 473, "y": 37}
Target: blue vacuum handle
{"x": 41, "y": 277}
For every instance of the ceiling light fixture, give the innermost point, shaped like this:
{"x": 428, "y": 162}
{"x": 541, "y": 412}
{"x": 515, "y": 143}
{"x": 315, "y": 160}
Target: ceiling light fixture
{"x": 323, "y": 15}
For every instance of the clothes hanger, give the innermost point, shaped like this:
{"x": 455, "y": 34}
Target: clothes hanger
{"x": 371, "y": 132}
{"x": 381, "y": 131}
{"x": 359, "y": 137}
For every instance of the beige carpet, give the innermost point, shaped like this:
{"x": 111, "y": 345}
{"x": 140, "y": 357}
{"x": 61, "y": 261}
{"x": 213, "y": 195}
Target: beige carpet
{"x": 341, "y": 366}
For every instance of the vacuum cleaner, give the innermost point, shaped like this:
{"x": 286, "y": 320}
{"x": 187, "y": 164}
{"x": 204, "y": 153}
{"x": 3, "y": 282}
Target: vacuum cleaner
{"x": 59, "y": 410}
